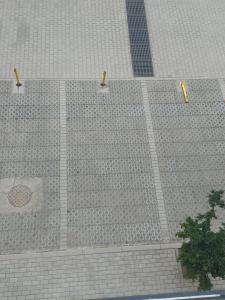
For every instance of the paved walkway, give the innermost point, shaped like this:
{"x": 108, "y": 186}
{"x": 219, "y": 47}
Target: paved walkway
{"x": 124, "y": 167}
{"x": 64, "y": 39}
{"x": 90, "y": 273}
{"x": 101, "y": 208}
{"x": 81, "y": 39}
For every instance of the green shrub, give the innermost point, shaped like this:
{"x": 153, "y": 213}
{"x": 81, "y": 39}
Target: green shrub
{"x": 203, "y": 250}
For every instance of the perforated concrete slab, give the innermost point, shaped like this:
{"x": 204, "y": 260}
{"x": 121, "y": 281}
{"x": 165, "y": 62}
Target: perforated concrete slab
{"x": 85, "y": 171}
{"x": 29, "y": 167}
{"x": 190, "y": 145}
{"x": 64, "y": 39}
{"x": 111, "y": 193}
{"x": 186, "y": 37}
{"x": 103, "y": 177}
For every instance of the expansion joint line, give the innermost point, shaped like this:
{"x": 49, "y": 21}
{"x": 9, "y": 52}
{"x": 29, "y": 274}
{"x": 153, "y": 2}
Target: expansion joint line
{"x": 63, "y": 167}
{"x": 155, "y": 165}
{"x": 222, "y": 87}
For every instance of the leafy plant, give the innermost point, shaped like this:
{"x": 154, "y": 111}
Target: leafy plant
{"x": 203, "y": 250}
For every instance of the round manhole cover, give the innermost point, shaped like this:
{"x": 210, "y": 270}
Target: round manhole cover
{"x": 19, "y": 195}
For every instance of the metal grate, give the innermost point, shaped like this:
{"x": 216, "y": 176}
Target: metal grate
{"x": 19, "y": 195}
{"x": 139, "y": 38}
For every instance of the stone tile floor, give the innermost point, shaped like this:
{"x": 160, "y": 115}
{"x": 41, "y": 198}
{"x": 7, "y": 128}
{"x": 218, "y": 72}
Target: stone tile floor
{"x": 99, "y": 148}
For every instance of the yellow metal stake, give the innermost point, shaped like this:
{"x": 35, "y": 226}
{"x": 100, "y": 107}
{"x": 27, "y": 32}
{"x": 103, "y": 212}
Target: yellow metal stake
{"x": 184, "y": 90}
{"x": 103, "y": 79}
{"x": 18, "y": 83}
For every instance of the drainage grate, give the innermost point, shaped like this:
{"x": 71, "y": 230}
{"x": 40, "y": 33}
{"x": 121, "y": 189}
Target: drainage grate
{"x": 139, "y": 38}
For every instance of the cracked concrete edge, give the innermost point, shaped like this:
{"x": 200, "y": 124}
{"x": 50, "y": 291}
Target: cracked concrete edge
{"x": 90, "y": 251}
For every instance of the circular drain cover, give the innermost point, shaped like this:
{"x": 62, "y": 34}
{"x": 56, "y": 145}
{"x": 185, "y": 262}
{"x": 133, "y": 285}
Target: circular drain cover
{"x": 19, "y": 195}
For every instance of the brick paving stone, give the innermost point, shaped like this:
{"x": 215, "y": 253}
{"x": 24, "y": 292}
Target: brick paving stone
{"x": 186, "y": 37}
{"x": 70, "y": 275}
{"x": 64, "y": 39}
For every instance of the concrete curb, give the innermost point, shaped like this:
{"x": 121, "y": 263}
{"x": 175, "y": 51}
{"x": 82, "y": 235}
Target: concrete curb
{"x": 89, "y": 251}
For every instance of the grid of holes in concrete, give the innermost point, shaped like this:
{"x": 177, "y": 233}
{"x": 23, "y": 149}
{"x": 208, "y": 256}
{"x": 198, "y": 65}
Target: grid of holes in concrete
{"x": 111, "y": 193}
{"x": 190, "y": 143}
{"x": 29, "y": 141}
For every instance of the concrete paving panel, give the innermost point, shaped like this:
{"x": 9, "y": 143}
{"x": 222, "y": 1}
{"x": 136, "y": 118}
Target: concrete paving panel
{"x": 111, "y": 193}
{"x": 190, "y": 145}
{"x": 186, "y": 38}
{"x": 29, "y": 173}
{"x": 64, "y": 39}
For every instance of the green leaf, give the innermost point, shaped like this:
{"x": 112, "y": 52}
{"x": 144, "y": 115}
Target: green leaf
{"x": 203, "y": 251}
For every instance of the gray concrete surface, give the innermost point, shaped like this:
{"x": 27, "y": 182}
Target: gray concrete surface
{"x": 187, "y": 37}
{"x": 119, "y": 166}
{"x": 111, "y": 193}
{"x": 122, "y": 165}
{"x": 91, "y": 274}
{"x": 29, "y": 141}
{"x": 189, "y": 144}
{"x": 86, "y": 171}
{"x": 64, "y": 39}
{"x": 80, "y": 39}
